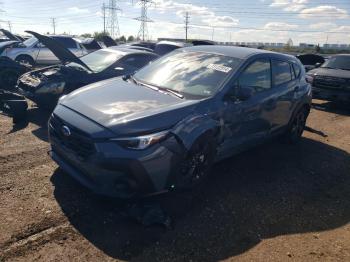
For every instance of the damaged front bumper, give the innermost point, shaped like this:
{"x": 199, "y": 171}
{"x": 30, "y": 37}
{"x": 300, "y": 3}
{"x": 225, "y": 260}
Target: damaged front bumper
{"x": 108, "y": 169}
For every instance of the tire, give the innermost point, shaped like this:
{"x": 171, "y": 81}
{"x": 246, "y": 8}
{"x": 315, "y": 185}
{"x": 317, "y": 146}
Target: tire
{"x": 8, "y": 79}
{"x": 197, "y": 164}
{"x": 25, "y": 59}
{"x": 297, "y": 126}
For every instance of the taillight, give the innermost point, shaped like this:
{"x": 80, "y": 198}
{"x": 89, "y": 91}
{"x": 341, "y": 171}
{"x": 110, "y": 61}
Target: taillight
{"x": 309, "y": 79}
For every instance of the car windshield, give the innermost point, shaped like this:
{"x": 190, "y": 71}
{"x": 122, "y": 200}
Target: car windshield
{"x": 99, "y": 60}
{"x": 30, "y": 41}
{"x": 189, "y": 73}
{"x": 338, "y": 62}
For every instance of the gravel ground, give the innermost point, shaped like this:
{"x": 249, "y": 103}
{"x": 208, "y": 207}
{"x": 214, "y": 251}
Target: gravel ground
{"x": 274, "y": 203}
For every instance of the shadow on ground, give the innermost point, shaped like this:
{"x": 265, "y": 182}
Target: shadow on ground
{"x": 38, "y": 117}
{"x": 332, "y": 107}
{"x": 273, "y": 190}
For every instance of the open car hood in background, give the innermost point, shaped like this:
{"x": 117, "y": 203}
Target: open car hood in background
{"x": 62, "y": 53}
{"x": 10, "y": 36}
{"x": 4, "y": 45}
{"x": 310, "y": 59}
{"x": 108, "y": 41}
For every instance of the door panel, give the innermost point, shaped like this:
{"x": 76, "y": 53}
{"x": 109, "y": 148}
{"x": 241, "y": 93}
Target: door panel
{"x": 248, "y": 122}
{"x": 285, "y": 85}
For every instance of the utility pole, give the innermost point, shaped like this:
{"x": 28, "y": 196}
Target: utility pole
{"x": 144, "y": 19}
{"x": 112, "y": 18}
{"x": 53, "y": 22}
{"x": 187, "y": 21}
{"x": 212, "y": 35}
{"x": 10, "y": 26}
{"x": 104, "y": 17}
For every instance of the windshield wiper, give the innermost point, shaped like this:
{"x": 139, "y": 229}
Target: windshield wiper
{"x": 172, "y": 92}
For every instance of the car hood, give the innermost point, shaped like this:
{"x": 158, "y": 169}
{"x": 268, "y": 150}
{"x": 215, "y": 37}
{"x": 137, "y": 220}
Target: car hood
{"x": 4, "y": 45}
{"x": 330, "y": 72}
{"x": 311, "y": 59}
{"x": 10, "y": 36}
{"x": 62, "y": 53}
{"x": 127, "y": 108}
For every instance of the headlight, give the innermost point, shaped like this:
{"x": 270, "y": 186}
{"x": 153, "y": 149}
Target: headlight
{"x": 52, "y": 88}
{"x": 141, "y": 142}
{"x": 310, "y": 78}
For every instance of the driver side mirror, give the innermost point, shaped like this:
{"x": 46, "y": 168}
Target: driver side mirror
{"x": 317, "y": 65}
{"x": 242, "y": 93}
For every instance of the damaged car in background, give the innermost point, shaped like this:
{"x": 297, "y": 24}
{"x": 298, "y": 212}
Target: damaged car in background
{"x": 32, "y": 51}
{"x": 311, "y": 61}
{"x": 164, "y": 127}
{"x": 331, "y": 81}
{"x": 10, "y": 70}
{"x": 45, "y": 86}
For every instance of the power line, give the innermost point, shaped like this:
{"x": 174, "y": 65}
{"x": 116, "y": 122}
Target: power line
{"x": 143, "y": 31}
{"x": 187, "y": 21}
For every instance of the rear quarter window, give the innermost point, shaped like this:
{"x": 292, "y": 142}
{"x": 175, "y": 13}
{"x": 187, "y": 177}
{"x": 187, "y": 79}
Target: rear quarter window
{"x": 297, "y": 70}
{"x": 281, "y": 72}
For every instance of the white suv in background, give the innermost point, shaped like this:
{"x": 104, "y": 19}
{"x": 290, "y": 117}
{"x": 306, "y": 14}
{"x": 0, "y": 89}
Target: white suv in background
{"x": 33, "y": 52}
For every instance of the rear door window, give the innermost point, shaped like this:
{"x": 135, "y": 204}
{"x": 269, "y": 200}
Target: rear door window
{"x": 281, "y": 72}
{"x": 257, "y": 75}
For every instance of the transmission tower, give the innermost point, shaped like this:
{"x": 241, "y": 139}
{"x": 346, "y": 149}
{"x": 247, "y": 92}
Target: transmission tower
{"x": 112, "y": 18}
{"x": 144, "y": 19}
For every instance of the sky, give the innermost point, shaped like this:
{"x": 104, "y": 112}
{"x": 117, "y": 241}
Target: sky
{"x": 303, "y": 21}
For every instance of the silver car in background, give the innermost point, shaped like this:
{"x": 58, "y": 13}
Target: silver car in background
{"x": 33, "y": 52}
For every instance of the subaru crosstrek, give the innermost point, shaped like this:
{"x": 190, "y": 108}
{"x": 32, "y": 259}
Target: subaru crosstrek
{"x": 164, "y": 127}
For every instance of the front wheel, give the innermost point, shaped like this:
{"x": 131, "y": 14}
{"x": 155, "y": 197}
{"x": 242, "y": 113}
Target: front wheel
{"x": 297, "y": 127}
{"x": 197, "y": 164}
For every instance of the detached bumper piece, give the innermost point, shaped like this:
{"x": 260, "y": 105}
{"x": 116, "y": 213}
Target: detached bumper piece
{"x": 14, "y": 105}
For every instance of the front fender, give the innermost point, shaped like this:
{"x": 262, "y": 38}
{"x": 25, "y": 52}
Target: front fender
{"x": 192, "y": 127}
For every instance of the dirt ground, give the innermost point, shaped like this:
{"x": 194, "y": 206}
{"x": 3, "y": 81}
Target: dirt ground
{"x": 274, "y": 203}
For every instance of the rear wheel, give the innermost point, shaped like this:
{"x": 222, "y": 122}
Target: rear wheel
{"x": 297, "y": 126}
{"x": 25, "y": 59}
{"x": 197, "y": 164}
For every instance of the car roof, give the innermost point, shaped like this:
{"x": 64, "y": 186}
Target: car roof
{"x": 127, "y": 51}
{"x": 179, "y": 44}
{"x": 232, "y": 51}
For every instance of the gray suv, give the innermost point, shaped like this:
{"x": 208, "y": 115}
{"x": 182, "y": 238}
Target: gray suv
{"x": 33, "y": 52}
{"x": 165, "y": 126}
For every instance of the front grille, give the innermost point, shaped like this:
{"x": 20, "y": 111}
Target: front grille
{"x": 78, "y": 141}
{"x": 329, "y": 82}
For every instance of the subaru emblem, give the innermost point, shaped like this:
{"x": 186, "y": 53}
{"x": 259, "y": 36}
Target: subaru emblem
{"x": 66, "y": 131}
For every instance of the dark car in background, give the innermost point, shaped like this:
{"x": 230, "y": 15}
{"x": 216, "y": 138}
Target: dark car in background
{"x": 90, "y": 44}
{"x": 165, "y": 47}
{"x": 45, "y": 86}
{"x": 164, "y": 127}
{"x": 311, "y": 61}
{"x": 331, "y": 81}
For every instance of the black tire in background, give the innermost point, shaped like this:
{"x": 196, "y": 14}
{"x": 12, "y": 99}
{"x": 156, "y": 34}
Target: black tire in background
{"x": 25, "y": 59}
